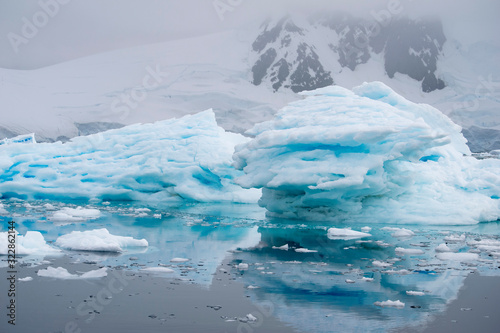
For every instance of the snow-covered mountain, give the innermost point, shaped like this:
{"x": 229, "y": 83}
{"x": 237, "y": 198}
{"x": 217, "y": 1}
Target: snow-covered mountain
{"x": 292, "y": 56}
{"x": 248, "y": 74}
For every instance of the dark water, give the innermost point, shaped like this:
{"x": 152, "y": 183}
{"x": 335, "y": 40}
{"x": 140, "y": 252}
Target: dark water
{"x": 331, "y": 285}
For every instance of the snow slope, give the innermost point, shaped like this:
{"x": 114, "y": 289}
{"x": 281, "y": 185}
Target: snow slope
{"x": 141, "y": 84}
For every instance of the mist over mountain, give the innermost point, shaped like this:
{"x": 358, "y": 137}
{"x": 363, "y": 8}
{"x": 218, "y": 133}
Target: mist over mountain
{"x": 250, "y": 71}
{"x": 291, "y": 55}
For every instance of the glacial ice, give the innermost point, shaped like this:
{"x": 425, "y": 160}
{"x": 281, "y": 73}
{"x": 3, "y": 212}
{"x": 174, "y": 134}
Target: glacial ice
{"x": 62, "y": 273}
{"x": 98, "y": 240}
{"x": 367, "y": 155}
{"x": 173, "y": 160}
{"x": 32, "y": 243}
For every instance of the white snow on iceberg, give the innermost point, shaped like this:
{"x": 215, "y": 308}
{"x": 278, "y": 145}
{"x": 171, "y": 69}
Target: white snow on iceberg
{"x": 367, "y": 155}
{"x": 32, "y": 243}
{"x": 98, "y": 240}
{"x": 62, "y": 273}
{"x": 173, "y": 160}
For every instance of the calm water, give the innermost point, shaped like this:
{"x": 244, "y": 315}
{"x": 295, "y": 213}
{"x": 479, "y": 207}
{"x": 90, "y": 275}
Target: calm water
{"x": 330, "y": 286}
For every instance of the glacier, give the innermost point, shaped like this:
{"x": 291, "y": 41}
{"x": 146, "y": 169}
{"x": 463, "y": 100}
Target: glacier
{"x": 176, "y": 160}
{"x": 367, "y": 155}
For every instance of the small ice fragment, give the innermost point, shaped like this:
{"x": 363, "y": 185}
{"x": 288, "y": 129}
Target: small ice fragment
{"x": 378, "y": 263}
{"x": 26, "y": 279}
{"x": 366, "y": 229}
{"x": 242, "y": 266}
{"x": 463, "y": 256}
{"x": 179, "y": 260}
{"x": 251, "y": 317}
{"x": 253, "y": 287}
{"x": 62, "y": 273}
{"x": 304, "y": 250}
{"x": 158, "y": 269}
{"x": 400, "y": 232}
{"x": 367, "y": 279}
{"x": 48, "y": 206}
{"x": 349, "y": 281}
{"x": 157, "y": 216}
{"x": 389, "y": 303}
{"x": 455, "y": 238}
{"x": 400, "y": 250}
{"x": 442, "y": 248}
{"x": 345, "y": 234}
{"x": 283, "y": 247}
{"x": 415, "y": 293}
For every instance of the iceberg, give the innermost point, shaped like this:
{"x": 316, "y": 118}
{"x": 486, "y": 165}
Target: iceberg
{"x": 98, "y": 240}
{"x": 62, "y": 273}
{"x": 32, "y": 243}
{"x": 367, "y": 155}
{"x": 176, "y": 160}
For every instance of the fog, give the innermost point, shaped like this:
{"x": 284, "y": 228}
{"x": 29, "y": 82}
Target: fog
{"x": 37, "y": 33}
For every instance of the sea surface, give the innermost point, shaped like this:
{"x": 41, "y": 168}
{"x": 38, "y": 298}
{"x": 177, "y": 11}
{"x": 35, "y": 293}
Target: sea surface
{"x": 242, "y": 272}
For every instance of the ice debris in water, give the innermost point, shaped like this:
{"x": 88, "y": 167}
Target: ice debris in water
{"x": 389, "y": 303}
{"x": 367, "y": 155}
{"x": 345, "y": 233}
{"x": 62, "y": 273}
{"x": 32, "y": 242}
{"x": 78, "y": 214}
{"x": 173, "y": 160}
{"x": 99, "y": 240}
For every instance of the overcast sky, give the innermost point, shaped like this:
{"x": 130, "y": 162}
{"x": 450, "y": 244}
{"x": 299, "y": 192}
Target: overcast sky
{"x": 82, "y": 27}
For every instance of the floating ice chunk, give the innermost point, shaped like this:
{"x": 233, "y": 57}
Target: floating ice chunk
{"x": 48, "y": 206}
{"x": 78, "y": 214}
{"x": 26, "y": 279}
{"x": 157, "y": 216}
{"x": 282, "y": 247}
{"x": 179, "y": 260}
{"x": 173, "y": 160}
{"x": 158, "y": 270}
{"x": 487, "y": 241}
{"x": 346, "y": 233}
{"x": 395, "y": 304}
{"x": 366, "y": 229}
{"x": 378, "y": 263}
{"x": 253, "y": 287}
{"x": 455, "y": 238}
{"x": 304, "y": 250}
{"x": 398, "y": 272}
{"x": 367, "y": 279}
{"x": 463, "y": 256}
{"x": 443, "y": 248}
{"x": 400, "y": 250}
{"x": 415, "y": 293}
{"x": 400, "y": 232}
{"x": 367, "y": 155}
{"x": 242, "y": 266}
{"x": 31, "y": 243}
{"x": 99, "y": 240}
{"x": 62, "y": 273}
{"x": 349, "y": 281}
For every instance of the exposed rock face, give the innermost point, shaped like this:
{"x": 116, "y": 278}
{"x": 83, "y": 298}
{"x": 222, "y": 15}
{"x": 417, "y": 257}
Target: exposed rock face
{"x": 288, "y": 57}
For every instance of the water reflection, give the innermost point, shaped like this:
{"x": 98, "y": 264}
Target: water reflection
{"x": 327, "y": 285}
